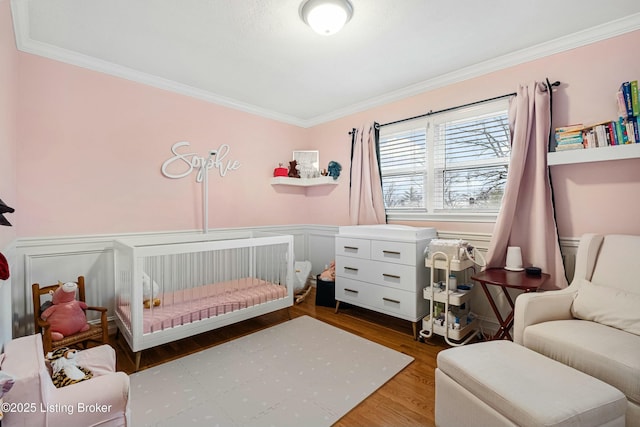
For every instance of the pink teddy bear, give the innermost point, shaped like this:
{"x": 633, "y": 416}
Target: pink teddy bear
{"x": 66, "y": 316}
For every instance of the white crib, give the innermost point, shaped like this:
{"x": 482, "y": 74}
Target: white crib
{"x": 199, "y": 283}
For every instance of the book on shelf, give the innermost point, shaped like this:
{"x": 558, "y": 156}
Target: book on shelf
{"x": 570, "y": 128}
{"x": 570, "y": 140}
{"x": 624, "y": 130}
{"x": 567, "y": 135}
{"x": 574, "y": 146}
{"x": 635, "y": 98}
{"x": 621, "y": 131}
{"x": 628, "y": 100}
{"x": 626, "y": 109}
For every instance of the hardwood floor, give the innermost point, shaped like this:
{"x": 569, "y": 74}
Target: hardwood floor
{"x": 406, "y": 400}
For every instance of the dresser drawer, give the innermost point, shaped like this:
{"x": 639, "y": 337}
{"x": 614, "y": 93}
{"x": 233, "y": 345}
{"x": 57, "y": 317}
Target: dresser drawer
{"x": 395, "y": 302}
{"x": 354, "y": 268}
{"x": 396, "y": 276}
{"x": 396, "y": 252}
{"x": 357, "y": 248}
{"x": 379, "y": 273}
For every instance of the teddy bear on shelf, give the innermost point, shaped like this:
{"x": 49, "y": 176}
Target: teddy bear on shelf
{"x": 294, "y": 169}
{"x": 66, "y": 314}
{"x": 65, "y": 369}
{"x": 150, "y": 291}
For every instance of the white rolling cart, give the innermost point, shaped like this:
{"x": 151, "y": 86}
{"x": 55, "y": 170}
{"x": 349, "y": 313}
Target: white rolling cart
{"x": 467, "y": 328}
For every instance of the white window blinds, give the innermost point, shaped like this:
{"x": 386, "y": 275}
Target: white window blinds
{"x": 455, "y": 162}
{"x": 402, "y": 163}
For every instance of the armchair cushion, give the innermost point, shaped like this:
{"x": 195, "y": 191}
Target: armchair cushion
{"x": 607, "y": 305}
{"x": 605, "y": 291}
{"x": 608, "y": 354}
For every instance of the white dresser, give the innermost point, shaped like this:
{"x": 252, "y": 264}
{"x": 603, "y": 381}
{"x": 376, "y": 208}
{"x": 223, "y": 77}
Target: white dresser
{"x": 382, "y": 268}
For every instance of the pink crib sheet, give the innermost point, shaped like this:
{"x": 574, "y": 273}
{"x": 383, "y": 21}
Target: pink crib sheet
{"x": 193, "y": 304}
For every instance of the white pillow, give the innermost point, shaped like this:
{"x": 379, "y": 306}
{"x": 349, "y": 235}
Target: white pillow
{"x": 608, "y": 306}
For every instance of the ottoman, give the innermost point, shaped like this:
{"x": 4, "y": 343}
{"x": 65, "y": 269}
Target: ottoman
{"x": 499, "y": 383}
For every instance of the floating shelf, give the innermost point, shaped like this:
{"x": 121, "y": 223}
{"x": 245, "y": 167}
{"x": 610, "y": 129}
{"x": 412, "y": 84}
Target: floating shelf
{"x": 304, "y": 182}
{"x": 600, "y": 154}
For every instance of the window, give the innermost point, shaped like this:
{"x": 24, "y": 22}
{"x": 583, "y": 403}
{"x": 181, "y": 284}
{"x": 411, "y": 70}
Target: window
{"x": 447, "y": 166}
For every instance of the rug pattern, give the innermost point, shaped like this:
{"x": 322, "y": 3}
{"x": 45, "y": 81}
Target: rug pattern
{"x": 303, "y": 372}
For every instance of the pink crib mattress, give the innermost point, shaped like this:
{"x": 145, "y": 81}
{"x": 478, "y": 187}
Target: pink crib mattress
{"x": 193, "y": 304}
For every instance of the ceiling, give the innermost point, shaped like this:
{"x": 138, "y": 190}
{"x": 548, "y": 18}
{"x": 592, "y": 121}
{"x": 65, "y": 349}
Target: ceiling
{"x": 258, "y": 55}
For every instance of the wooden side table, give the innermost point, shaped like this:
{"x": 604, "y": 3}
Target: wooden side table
{"x": 505, "y": 279}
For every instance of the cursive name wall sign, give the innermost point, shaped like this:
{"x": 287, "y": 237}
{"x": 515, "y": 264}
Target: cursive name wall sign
{"x": 188, "y": 162}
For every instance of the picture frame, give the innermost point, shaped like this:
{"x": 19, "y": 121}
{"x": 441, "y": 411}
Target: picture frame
{"x": 308, "y": 158}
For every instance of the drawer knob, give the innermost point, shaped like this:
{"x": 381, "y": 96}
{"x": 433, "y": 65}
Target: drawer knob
{"x": 391, "y": 252}
{"x": 351, "y": 248}
{"x": 351, "y": 268}
{"x": 390, "y": 300}
{"x": 390, "y": 276}
{"x": 350, "y": 290}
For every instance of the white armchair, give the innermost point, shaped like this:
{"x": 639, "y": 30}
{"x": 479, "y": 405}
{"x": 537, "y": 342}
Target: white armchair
{"x": 34, "y": 400}
{"x": 594, "y": 324}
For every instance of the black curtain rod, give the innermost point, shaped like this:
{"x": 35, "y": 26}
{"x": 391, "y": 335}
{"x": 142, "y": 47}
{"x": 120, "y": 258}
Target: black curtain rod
{"x": 453, "y": 108}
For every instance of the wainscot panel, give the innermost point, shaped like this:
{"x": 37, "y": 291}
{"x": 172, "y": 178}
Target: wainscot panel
{"x": 50, "y": 259}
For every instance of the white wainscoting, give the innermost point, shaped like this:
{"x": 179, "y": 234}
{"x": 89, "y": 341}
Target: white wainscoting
{"x": 49, "y": 260}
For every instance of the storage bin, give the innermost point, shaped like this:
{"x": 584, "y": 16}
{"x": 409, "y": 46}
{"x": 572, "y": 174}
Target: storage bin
{"x": 325, "y": 292}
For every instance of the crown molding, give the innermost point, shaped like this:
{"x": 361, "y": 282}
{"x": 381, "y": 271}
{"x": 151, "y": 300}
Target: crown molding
{"x": 572, "y": 41}
{"x": 24, "y": 43}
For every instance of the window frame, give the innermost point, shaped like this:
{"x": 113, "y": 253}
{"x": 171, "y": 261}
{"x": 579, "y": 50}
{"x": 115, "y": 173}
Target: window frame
{"x": 428, "y": 123}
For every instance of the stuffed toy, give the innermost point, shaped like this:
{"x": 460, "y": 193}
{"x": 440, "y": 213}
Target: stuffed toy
{"x": 4, "y": 268}
{"x": 329, "y": 274}
{"x": 66, "y": 314}
{"x": 334, "y": 169}
{"x": 149, "y": 292}
{"x": 294, "y": 169}
{"x": 65, "y": 369}
{"x": 6, "y": 382}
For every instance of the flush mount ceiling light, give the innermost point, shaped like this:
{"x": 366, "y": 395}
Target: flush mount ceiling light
{"x": 326, "y": 17}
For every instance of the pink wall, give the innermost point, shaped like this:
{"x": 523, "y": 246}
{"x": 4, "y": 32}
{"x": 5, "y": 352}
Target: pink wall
{"x": 8, "y": 143}
{"x": 594, "y": 197}
{"x": 91, "y": 147}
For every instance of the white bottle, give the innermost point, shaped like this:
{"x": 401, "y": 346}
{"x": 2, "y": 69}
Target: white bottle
{"x": 453, "y": 283}
{"x": 451, "y": 320}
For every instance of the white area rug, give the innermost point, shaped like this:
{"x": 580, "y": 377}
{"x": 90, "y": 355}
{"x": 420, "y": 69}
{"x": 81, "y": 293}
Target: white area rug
{"x": 299, "y": 373}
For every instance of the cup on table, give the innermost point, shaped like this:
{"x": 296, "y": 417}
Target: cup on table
{"x": 514, "y": 259}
